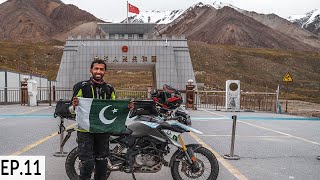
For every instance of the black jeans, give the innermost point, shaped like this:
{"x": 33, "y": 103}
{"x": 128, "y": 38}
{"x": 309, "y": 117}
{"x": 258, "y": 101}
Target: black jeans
{"x": 93, "y": 150}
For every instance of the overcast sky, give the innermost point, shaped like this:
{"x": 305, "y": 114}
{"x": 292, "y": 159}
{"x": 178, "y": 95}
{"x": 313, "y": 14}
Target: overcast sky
{"x": 115, "y": 10}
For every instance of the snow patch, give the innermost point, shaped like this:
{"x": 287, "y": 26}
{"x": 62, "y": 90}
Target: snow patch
{"x": 316, "y": 13}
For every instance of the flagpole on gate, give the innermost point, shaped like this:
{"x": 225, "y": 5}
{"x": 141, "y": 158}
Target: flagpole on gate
{"x": 127, "y": 12}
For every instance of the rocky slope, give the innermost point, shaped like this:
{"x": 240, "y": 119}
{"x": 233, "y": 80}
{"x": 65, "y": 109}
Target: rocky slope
{"x": 39, "y": 20}
{"x": 286, "y": 27}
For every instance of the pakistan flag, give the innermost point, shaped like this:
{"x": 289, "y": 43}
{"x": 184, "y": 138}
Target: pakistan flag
{"x": 100, "y": 116}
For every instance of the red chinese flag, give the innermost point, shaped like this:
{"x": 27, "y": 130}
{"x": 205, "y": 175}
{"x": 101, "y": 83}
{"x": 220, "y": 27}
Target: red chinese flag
{"x": 133, "y": 9}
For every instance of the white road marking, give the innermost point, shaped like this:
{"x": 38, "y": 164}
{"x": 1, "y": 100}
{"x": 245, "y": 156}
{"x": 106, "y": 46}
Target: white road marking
{"x": 27, "y": 148}
{"x": 268, "y": 129}
{"x": 215, "y": 113}
{"x": 33, "y": 110}
{"x": 217, "y": 135}
{"x": 279, "y": 132}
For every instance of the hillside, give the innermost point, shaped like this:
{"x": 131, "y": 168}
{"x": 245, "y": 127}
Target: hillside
{"x": 39, "y": 20}
{"x": 36, "y": 58}
{"x": 286, "y": 27}
{"x": 257, "y": 69}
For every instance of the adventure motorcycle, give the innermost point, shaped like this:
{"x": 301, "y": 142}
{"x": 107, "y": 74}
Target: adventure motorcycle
{"x": 145, "y": 143}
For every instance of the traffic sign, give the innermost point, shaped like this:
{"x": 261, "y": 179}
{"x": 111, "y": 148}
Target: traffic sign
{"x": 287, "y": 77}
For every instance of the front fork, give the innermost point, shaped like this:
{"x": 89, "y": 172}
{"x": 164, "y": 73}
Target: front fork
{"x": 191, "y": 159}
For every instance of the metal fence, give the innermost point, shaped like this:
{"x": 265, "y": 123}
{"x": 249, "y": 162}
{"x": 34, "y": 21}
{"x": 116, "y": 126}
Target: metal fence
{"x": 210, "y": 99}
{"x": 137, "y": 95}
{"x": 10, "y": 96}
{"x": 203, "y": 99}
{"x": 259, "y": 101}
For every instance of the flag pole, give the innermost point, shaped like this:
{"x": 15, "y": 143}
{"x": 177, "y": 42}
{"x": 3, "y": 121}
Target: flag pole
{"x": 127, "y": 12}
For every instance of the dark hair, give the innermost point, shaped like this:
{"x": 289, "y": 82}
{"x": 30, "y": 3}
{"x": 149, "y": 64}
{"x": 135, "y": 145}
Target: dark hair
{"x": 99, "y": 61}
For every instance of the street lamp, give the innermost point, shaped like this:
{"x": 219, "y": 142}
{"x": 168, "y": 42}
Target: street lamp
{"x": 190, "y": 81}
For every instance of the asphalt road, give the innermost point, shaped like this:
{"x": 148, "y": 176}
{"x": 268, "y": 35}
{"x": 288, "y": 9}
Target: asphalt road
{"x": 270, "y": 146}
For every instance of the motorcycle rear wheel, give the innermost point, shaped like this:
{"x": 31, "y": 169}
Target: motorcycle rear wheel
{"x": 72, "y": 165}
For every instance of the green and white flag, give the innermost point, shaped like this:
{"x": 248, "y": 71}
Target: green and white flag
{"x": 99, "y": 115}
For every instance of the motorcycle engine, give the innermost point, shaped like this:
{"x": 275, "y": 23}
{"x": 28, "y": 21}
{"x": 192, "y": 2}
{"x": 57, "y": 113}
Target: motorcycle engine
{"x": 150, "y": 158}
{"x": 146, "y": 160}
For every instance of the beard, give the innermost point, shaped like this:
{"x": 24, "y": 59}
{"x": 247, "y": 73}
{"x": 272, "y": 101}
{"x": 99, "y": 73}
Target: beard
{"x": 97, "y": 77}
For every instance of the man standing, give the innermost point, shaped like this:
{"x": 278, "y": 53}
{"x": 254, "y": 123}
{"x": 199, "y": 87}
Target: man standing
{"x": 93, "y": 148}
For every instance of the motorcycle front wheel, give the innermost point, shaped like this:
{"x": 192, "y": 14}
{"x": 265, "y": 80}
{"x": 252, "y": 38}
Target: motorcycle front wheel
{"x": 207, "y": 163}
{"x": 72, "y": 165}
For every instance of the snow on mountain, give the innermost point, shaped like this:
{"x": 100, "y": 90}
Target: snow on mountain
{"x": 310, "y": 21}
{"x": 293, "y": 18}
{"x": 314, "y": 17}
{"x": 159, "y": 17}
{"x": 199, "y": 4}
{"x": 306, "y": 19}
{"x": 220, "y": 5}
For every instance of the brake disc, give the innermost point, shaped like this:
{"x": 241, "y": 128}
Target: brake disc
{"x": 186, "y": 169}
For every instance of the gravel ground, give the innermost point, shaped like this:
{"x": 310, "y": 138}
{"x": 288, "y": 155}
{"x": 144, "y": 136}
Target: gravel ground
{"x": 301, "y": 108}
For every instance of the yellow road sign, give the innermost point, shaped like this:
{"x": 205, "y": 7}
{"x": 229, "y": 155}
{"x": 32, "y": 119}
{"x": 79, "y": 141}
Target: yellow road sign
{"x": 287, "y": 77}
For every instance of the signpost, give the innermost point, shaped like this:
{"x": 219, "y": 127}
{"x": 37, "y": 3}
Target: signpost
{"x": 287, "y": 78}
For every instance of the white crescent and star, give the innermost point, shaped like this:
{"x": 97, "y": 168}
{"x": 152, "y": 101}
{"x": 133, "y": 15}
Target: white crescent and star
{"x": 105, "y": 120}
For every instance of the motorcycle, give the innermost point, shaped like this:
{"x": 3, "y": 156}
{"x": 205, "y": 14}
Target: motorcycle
{"x": 145, "y": 143}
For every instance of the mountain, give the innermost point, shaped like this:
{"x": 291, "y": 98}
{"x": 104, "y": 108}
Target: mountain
{"x": 294, "y": 37}
{"x": 40, "y": 20}
{"x": 230, "y": 27}
{"x": 310, "y": 21}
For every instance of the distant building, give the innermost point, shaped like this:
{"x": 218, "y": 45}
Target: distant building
{"x": 129, "y": 47}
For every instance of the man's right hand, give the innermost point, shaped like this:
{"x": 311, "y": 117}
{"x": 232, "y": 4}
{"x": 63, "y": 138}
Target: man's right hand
{"x": 131, "y": 105}
{"x": 75, "y": 101}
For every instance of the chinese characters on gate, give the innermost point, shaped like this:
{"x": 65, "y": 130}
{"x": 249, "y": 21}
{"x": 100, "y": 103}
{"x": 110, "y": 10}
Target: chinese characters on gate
{"x": 125, "y": 59}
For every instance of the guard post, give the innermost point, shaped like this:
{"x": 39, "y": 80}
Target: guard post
{"x": 24, "y": 92}
{"x": 190, "y": 94}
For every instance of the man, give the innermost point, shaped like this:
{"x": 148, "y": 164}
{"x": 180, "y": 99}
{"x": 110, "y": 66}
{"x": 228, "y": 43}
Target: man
{"x": 93, "y": 148}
